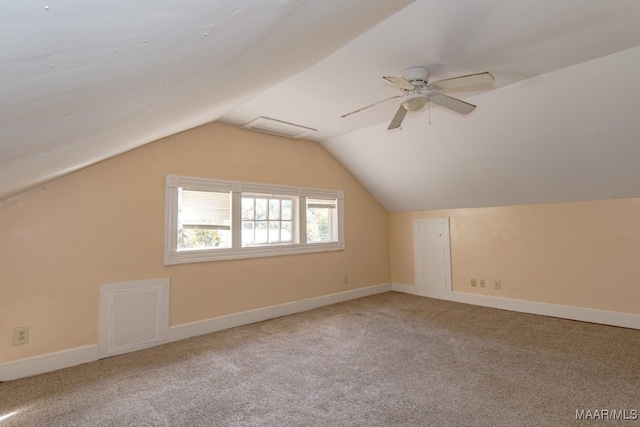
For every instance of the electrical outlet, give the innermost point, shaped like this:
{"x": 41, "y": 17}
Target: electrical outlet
{"x": 473, "y": 283}
{"x": 21, "y": 335}
{"x": 482, "y": 283}
{"x": 497, "y": 284}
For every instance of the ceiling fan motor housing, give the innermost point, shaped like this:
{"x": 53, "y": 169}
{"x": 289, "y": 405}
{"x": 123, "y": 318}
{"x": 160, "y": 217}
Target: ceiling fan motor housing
{"x": 418, "y": 76}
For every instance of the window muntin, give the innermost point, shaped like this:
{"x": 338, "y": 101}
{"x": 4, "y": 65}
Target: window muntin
{"x": 205, "y": 220}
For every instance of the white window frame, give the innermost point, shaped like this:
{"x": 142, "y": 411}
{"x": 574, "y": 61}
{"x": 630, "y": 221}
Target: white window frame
{"x": 172, "y": 256}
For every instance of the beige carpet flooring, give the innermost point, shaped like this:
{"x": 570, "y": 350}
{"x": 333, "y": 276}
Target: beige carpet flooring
{"x": 387, "y": 360}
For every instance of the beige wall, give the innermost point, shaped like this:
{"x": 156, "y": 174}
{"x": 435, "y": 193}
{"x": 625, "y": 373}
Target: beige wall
{"x": 60, "y": 241}
{"x": 584, "y": 254}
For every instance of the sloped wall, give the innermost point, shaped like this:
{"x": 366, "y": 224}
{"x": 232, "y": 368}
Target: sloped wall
{"x": 61, "y": 240}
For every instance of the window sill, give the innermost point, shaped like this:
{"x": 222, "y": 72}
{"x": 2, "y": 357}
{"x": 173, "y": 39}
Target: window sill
{"x": 185, "y": 257}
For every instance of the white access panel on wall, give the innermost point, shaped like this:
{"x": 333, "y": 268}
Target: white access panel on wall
{"x": 432, "y": 257}
{"x": 133, "y": 315}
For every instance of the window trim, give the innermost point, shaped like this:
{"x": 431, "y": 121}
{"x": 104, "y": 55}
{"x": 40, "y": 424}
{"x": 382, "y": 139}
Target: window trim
{"x": 172, "y": 256}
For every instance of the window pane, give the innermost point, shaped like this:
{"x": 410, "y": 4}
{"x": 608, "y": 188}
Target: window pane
{"x": 198, "y": 238}
{"x": 317, "y": 225}
{"x": 247, "y": 233}
{"x": 321, "y": 220}
{"x": 261, "y": 208}
{"x": 287, "y": 209}
{"x": 261, "y": 232}
{"x": 248, "y": 211}
{"x": 286, "y": 231}
{"x": 274, "y": 231}
{"x": 267, "y": 220}
{"x": 204, "y": 219}
{"x": 274, "y": 208}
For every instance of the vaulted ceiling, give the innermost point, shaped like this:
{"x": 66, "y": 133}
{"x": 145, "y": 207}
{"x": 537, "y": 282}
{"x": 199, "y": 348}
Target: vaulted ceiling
{"x": 81, "y": 82}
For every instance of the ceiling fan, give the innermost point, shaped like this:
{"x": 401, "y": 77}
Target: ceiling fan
{"x": 418, "y": 91}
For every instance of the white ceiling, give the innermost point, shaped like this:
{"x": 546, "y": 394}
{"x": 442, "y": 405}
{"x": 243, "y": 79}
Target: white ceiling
{"x": 81, "y": 82}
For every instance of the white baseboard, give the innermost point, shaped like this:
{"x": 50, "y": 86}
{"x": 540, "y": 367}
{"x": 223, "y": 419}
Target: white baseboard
{"x": 76, "y": 356}
{"x": 612, "y": 318}
{"x": 411, "y": 289}
{"x": 407, "y": 289}
{"x": 47, "y": 362}
{"x": 63, "y": 359}
{"x": 202, "y": 327}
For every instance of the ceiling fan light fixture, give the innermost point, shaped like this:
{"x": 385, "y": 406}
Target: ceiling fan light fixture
{"x": 415, "y": 102}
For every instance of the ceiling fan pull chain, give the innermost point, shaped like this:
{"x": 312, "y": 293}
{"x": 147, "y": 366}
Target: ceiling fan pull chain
{"x": 429, "y": 110}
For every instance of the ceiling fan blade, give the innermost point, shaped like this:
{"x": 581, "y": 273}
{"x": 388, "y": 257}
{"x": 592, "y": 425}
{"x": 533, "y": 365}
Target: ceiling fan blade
{"x": 397, "y": 119}
{"x": 462, "y": 81}
{"x": 453, "y": 104}
{"x": 401, "y": 82}
{"x": 373, "y": 105}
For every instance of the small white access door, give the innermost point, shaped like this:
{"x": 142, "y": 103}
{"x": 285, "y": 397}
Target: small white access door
{"x": 133, "y": 315}
{"x": 432, "y": 257}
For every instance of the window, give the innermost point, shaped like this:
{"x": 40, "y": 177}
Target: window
{"x": 322, "y": 220}
{"x": 204, "y": 219}
{"x": 267, "y": 220}
{"x": 208, "y": 220}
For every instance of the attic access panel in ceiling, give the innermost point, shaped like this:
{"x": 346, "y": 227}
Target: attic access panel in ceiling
{"x": 278, "y": 127}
